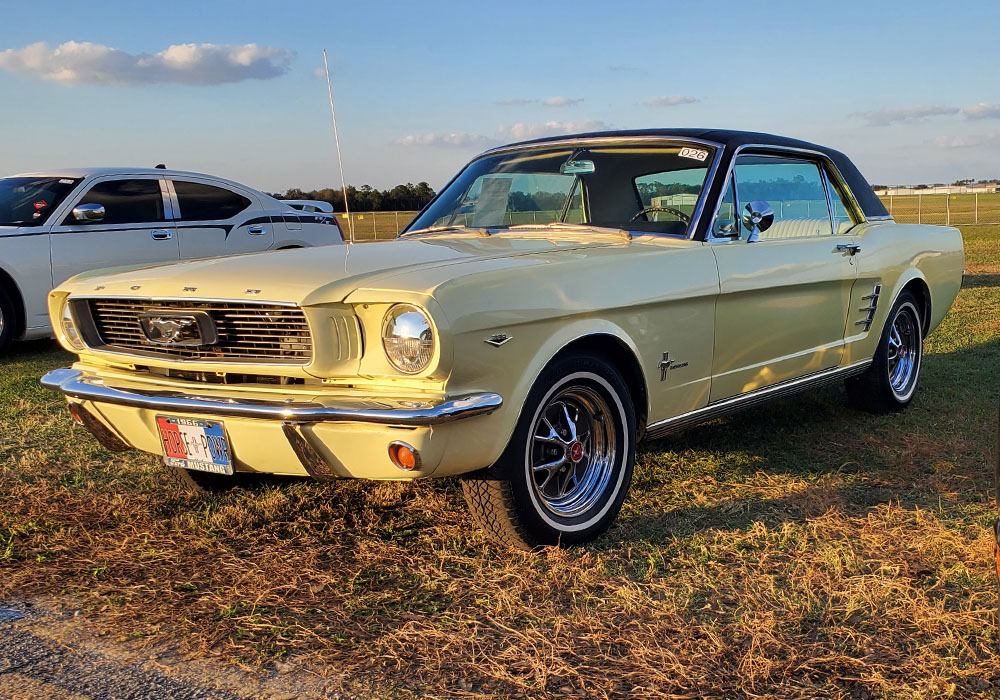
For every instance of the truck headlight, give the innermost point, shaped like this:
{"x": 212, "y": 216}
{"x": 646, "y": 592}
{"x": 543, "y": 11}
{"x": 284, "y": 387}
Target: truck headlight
{"x": 69, "y": 332}
{"x": 408, "y": 338}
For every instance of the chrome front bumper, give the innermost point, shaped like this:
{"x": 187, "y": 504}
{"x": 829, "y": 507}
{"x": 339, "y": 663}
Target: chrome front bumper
{"x": 410, "y": 413}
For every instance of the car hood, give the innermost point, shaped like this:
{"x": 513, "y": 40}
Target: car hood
{"x": 319, "y": 275}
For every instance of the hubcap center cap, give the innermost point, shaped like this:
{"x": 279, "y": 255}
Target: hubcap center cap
{"x": 576, "y": 451}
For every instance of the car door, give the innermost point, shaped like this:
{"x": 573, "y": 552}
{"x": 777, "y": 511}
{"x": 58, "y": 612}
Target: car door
{"x": 784, "y": 298}
{"x": 135, "y": 227}
{"x": 214, "y": 220}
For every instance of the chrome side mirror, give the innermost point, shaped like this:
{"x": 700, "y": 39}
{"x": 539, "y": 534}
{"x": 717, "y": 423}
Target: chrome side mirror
{"x": 757, "y": 217}
{"x": 88, "y": 212}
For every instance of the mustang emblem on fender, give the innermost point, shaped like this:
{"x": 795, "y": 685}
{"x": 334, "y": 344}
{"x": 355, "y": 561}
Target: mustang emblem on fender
{"x": 167, "y": 328}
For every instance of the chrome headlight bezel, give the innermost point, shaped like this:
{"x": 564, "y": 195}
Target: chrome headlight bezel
{"x": 408, "y": 338}
{"x": 68, "y": 330}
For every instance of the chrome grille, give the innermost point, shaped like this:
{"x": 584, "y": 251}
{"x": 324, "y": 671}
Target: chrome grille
{"x": 265, "y": 333}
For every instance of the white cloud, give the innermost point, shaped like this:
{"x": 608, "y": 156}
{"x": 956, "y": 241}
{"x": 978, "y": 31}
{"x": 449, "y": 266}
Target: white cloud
{"x": 669, "y": 100}
{"x": 561, "y": 101}
{"x": 81, "y": 62}
{"x": 454, "y": 139}
{"x": 905, "y": 115}
{"x": 523, "y": 131}
{"x": 983, "y": 110}
{"x": 968, "y": 140}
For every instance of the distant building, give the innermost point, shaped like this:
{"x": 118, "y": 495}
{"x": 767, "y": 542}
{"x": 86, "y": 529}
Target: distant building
{"x": 988, "y": 188}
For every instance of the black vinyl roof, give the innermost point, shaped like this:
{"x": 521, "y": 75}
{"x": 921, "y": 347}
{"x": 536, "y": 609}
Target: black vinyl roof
{"x": 731, "y": 139}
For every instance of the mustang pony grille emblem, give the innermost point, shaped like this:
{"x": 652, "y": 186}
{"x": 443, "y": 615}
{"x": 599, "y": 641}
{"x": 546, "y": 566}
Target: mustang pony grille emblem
{"x": 189, "y": 328}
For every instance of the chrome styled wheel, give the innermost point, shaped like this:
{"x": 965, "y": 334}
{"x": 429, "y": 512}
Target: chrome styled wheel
{"x": 891, "y": 381}
{"x": 567, "y": 468}
{"x": 572, "y": 451}
{"x": 904, "y": 348}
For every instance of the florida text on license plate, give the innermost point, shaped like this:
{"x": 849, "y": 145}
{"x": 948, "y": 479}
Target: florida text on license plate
{"x": 195, "y": 444}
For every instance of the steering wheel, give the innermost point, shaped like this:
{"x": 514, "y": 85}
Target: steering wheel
{"x": 670, "y": 210}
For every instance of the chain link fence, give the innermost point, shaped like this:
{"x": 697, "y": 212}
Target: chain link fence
{"x": 948, "y": 209}
{"x": 375, "y": 225}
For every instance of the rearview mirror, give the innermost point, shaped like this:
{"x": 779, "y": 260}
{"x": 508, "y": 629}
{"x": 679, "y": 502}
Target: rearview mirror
{"x": 757, "y": 218}
{"x": 577, "y": 167}
{"x": 88, "y": 212}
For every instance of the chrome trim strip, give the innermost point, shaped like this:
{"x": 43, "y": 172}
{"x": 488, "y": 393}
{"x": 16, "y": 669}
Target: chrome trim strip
{"x": 753, "y": 398}
{"x": 75, "y": 384}
{"x": 109, "y": 439}
{"x": 229, "y": 300}
{"x": 309, "y": 458}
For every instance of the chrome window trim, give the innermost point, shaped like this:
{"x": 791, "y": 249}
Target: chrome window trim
{"x": 810, "y": 154}
{"x": 829, "y": 201}
{"x": 168, "y": 202}
{"x": 175, "y": 203}
{"x": 699, "y": 208}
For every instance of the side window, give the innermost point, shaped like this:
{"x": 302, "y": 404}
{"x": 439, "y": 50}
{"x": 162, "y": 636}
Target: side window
{"x": 842, "y": 219}
{"x": 668, "y": 199}
{"x": 200, "y": 202}
{"x": 795, "y": 190}
{"x": 126, "y": 201}
{"x": 725, "y": 222}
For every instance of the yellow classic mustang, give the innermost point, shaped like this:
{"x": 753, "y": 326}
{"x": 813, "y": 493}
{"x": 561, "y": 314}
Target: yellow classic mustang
{"x": 558, "y": 301}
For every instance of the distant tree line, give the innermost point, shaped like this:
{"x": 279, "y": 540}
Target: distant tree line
{"x": 408, "y": 197}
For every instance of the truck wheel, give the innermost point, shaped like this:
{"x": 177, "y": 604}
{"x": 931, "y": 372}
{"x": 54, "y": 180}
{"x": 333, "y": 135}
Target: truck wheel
{"x": 891, "y": 380}
{"x": 7, "y": 322}
{"x": 565, "y": 473}
{"x": 201, "y": 483}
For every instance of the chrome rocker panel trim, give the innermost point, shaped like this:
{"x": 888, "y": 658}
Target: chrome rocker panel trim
{"x": 753, "y": 398}
{"x": 76, "y": 385}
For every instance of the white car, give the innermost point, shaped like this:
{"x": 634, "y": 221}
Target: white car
{"x": 54, "y": 225}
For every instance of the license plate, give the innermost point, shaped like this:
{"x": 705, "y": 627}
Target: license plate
{"x": 195, "y": 444}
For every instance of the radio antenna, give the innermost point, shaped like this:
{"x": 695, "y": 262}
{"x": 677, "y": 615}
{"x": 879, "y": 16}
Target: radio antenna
{"x": 336, "y": 138}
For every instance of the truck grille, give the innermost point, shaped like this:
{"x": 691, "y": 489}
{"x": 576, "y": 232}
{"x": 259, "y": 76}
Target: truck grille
{"x": 247, "y": 332}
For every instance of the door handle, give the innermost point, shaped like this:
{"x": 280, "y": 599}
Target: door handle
{"x": 257, "y": 231}
{"x": 161, "y": 235}
{"x": 852, "y": 248}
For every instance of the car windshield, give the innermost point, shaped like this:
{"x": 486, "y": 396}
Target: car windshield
{"x": 652, "y": 189}
{"x": 28, "y": 201}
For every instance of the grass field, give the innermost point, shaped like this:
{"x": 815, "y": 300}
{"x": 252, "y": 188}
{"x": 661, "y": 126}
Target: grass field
{"x": 798, "y": 550}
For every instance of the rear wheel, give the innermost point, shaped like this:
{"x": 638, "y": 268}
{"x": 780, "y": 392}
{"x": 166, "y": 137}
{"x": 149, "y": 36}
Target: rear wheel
{"x": 891, "y": 381}
{"x": 565, "y": 473}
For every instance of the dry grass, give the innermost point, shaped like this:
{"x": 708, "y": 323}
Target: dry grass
{"x": 800, "y": 550}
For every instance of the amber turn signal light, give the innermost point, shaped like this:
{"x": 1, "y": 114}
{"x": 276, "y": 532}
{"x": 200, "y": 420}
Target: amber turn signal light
{"x": 404, "y": 456}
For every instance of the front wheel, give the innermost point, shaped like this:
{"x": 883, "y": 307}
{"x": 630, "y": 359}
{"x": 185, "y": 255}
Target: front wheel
{"x": 6, "y": 321}
{"x": 891, "y": 381}
{"x": 565, "y": 473}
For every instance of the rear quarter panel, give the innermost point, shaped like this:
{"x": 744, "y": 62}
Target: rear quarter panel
{"x": 893, "y": 255}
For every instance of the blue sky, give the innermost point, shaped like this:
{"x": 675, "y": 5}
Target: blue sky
{"x": 910, "y": 91}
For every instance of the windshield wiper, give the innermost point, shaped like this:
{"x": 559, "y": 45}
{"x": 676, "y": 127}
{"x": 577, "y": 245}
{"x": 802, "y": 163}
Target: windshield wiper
{"x": 563, "y": 226}
{"x": 442, "y": 229}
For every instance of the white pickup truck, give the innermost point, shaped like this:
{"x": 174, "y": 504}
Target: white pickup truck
{"x": 54, "y": 225}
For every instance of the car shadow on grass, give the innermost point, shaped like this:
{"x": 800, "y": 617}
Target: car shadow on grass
{"x": 796, "y": 458}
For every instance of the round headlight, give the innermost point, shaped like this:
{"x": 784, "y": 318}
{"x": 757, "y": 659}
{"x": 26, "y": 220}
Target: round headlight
{"x": 408, "y": 338}
{"x": 69, "y": 332}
